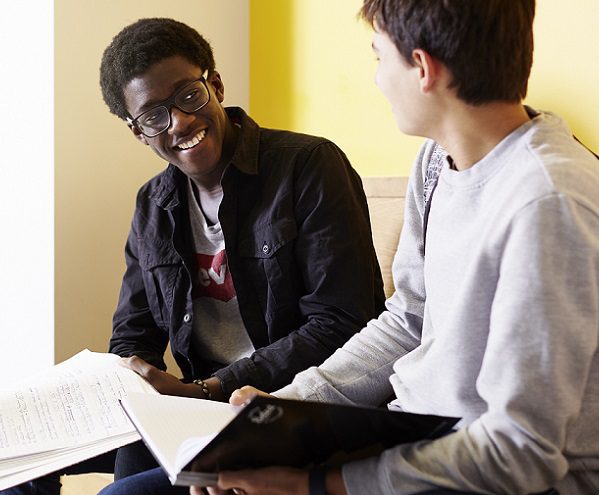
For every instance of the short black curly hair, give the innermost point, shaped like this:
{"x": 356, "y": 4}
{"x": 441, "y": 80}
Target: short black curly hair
{"x": 142, "y": 44}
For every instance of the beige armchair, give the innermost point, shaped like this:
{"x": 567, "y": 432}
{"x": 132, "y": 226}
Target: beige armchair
{"x": 385, "y": 197}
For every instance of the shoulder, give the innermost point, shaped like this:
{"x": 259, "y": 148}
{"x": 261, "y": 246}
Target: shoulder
{"x": 302, "y": 156}
{"x": 295, "y": 144}
{"x": 554, "y": 163}
{"x": 160, "y": 188}
{"x": 553, "y": 145}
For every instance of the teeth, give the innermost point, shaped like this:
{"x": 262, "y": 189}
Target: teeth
{"x": 193, "y": 141}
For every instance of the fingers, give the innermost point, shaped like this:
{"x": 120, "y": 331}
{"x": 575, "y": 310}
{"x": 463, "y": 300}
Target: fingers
{"x": 236, "y": 482}
{"x": 136, "y": 364}
{"x": 212, "y": 490}
{"x": 155, "y": 377}
{"x": 245, "y": 394}
{"x": 242, "y": 395}
{"x": 145, "y": 369}
{"x": 265, "y": 481}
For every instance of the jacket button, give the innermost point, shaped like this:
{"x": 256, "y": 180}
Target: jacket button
{"x": 265, "y": 248}
{"x": 187, "y": 318}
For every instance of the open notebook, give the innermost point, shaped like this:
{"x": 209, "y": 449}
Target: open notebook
{"x": 194, "y": 439}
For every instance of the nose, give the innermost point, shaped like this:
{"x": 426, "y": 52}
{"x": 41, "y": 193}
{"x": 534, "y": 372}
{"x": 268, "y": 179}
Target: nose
{"x": 180, "y": 120}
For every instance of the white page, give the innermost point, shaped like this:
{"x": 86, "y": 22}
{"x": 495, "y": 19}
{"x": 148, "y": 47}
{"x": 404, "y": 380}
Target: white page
{"x": 72, "y": 403}
{"x": 64, "y": 458}
{"x": 189, "y": 449}
{"x": 20, "y": 464}
{"x": 34, "y": 461}
{"x": 165, "y": 422}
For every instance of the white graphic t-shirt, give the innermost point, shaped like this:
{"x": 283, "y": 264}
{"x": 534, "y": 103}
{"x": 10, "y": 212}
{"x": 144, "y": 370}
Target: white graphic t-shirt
{"x": 219, "y": 334}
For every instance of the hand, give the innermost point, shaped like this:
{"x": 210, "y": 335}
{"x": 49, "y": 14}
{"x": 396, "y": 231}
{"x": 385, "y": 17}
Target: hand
{"x": 245, "y": 394}
{"x": 162, "y": 381}
{"x": 271, "y": 481}
{"x": 267, "y": 481}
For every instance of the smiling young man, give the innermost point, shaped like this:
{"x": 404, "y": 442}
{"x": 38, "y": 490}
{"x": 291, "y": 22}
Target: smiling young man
{"x": 495, "y": 318}
{"x": 251, "y": 253}
{"x": 242, "y": 252}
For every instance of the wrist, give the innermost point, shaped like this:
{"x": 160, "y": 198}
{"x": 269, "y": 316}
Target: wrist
{"x": 210, "y": 388}
{"x": 203, "y": 387}
{"x": 216, "y": 389}
{"x": 317, "y": 481}
{"x": 334, "y": 482}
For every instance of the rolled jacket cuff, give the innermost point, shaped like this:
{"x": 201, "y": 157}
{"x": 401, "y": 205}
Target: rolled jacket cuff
{"x": 238, "y": 374}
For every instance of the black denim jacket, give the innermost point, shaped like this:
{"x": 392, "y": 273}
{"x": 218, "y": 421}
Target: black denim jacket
{"x": 299, "y": 249}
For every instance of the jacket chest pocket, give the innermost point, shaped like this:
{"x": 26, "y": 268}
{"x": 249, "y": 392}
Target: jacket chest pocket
{"x": 161, "y": 266}
{"x": 268, "y": 253}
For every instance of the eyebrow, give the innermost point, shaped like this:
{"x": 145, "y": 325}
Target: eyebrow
{"x": 179, "y": 85}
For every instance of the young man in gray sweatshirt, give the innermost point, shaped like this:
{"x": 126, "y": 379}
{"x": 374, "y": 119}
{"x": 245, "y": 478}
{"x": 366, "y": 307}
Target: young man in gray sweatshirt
{"x": 497, "y": 320}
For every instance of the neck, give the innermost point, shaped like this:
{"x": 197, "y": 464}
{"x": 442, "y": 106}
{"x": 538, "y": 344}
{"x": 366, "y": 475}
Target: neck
{"x": 470, "y": 132}
{"x": 208, "y": 200}
{"x": 210, "y": 181}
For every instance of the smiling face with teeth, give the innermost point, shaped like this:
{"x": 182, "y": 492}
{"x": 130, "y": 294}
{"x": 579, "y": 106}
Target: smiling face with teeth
{"x": 200, "y": 144}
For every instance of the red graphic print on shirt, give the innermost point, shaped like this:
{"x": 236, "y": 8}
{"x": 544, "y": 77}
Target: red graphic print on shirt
{"x": 213, "y": 277}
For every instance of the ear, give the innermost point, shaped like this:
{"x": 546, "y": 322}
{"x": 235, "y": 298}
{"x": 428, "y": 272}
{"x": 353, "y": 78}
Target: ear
{"x": 429, "y": 69}
{"x": 217, "y": 83}
{"x": 137, "y": 133}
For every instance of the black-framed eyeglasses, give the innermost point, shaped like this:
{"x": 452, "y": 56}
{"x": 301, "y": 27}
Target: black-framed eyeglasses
{"x": 189, "y": 99}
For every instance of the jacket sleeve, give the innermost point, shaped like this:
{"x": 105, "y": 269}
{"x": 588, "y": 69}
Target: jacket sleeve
{"x": 335, "y": 258}
{"x": 135, "y": 330}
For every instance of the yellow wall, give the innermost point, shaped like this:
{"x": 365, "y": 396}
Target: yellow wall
{"x": 312, "y": 70}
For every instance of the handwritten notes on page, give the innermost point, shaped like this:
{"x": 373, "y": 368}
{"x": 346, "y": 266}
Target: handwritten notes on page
{"x": 64, "y": 415}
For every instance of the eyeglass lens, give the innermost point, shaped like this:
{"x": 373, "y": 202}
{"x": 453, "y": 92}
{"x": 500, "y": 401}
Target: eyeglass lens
{"x": 190, "y": 99}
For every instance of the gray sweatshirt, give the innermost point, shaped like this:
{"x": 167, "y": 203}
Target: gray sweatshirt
{"x": 498, "y": 325}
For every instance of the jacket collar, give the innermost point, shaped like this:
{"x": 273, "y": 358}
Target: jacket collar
{"x": 245, "y": 156}
{"x": 245, "y": 159}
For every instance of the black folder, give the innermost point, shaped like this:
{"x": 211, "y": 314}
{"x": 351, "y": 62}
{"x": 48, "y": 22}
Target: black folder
{"x": 270, "y": 431}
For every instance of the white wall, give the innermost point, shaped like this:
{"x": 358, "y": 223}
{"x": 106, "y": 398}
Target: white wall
{"x": 26, "y": 189}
